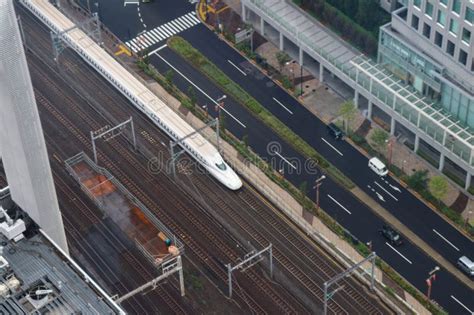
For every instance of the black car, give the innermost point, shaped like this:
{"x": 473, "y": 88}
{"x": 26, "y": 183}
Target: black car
{"x": 391, "y": 235}
{"x": 334, "y": 131}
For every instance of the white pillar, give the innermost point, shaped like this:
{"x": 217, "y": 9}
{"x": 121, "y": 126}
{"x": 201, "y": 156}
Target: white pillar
{"x": 441, "y": 162}
{"x": 244, "y": 12}
{"x": 417, "y": 143}
{"x": 321, "y": 72}
{"x": 282, "y": 39}
{"x": 369, "y": 110}
{"x": 356, "y": 98}
{"x": 262, "y": 26}
{"x": 392, "y": 126}
{"x": 468, "y": 181}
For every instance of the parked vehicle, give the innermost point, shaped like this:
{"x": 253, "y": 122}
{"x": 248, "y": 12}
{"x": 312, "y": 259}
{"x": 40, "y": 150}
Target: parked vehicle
{"x": 334, "y": 131}
{"x": 378, "y": 167}
{"x": 466, "y": 265}
{"x": 391, "y": 235}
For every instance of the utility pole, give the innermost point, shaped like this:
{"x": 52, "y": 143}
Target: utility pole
{"x": 430, "y": 280}
{"x": 318, "y": 184}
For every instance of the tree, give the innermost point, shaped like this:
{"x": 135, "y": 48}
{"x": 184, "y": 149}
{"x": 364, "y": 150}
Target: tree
{"x": 282, "y": 58}
{"x": 418, "y": 180}
{"x": 348, "y": 112}
{"x": 379, "y": 137}
{"x": 438, "y": 186}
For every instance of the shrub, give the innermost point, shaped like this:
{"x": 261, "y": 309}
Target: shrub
{"x": 193, "y": 56}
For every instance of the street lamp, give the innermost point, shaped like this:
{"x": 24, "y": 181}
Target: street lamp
{"x": 318, "y": 183}
{"x": 430, "y": 280}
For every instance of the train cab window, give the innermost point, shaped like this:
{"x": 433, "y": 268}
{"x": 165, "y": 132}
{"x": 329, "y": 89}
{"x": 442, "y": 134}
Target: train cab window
{"x": 221, "y": 166}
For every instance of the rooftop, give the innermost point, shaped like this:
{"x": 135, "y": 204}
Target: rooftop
{"x": 37, "y": 278}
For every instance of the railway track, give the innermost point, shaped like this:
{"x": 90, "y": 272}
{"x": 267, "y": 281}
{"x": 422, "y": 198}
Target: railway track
{"x": 323, "y": 270}
{"x": 302, "y": 275}
{"x": 256, "y": 280}
{"x": 79, "y": 217}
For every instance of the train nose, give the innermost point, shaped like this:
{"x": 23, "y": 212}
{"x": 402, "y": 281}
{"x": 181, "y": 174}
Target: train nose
{"x": 234, "y": 184}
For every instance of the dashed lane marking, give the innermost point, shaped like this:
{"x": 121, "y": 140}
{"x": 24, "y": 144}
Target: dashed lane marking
{"x": 388, "y": 193}
{"x": 333, "y": 147}
{"x": 337, "y": 202}
{"x": 446, "y": 240}
{"x": 398, "y": 253}
{"x": 200, "y": 90}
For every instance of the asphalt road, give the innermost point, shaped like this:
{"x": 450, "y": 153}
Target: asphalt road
{"x": 408, "y": 260}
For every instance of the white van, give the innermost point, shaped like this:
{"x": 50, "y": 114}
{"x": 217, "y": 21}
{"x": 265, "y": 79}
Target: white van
{"x": 378, "y": 167}
{"x": 466, "y": 265}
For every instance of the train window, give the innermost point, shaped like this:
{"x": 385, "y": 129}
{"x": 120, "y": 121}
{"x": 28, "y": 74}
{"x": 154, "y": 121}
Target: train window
{"x": 221, "y": 166}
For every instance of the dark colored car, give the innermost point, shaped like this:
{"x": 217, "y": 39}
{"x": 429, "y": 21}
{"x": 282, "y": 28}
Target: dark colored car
{"x": 391, "y": 235}
{"x": 334, "y": 131}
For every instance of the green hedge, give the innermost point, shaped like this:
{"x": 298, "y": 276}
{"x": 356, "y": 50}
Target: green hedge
{"x": 308, "y": 204}
{"x": 193, "y": 56}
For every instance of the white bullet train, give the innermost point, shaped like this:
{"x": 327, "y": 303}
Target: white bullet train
{"x": 196, "y": 146}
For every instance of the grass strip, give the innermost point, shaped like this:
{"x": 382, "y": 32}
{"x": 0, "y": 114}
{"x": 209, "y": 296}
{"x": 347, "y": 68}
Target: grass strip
{"x": 205, "y": 66}
{"x": 307, "y": 203}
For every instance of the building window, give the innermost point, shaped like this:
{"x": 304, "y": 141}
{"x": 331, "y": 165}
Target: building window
{"x": 426, "y": 30}
{"x": 438, "y": 39}
{"x": 472, "y": 65}
{"x": 453, "y": 26}
{"x": 457, "y": 6}
{"x": 417, "y": 3}
{"x": 442, "y": 17}
{"x": 445, "y": 2}
{"x": 450, "y": 48}
{"x": 415, "y": 21}
{"x": 466, "y": 35}
{"x": 469, "y": 15}
{"x": 429, "y": 9}
{"x": 462, "y": 57}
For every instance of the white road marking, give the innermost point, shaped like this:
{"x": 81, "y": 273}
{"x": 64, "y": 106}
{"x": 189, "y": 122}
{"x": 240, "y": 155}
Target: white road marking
{"x": 339, "y": 204}
{"x": 339, "y": 152}
{"x": 200, "y": 90}
{"x": 284, "y": 159}
{"x": 395, "y": 188}
{"x": 446, "y": 240}
{"x": 158, "y": 49}
{"x": 245, "y": 74}
{"x": 399, "y": 253}
{"x": 279, "y": 103}
{"x": 454, "y": 298}
{"x": 388, "y": 193}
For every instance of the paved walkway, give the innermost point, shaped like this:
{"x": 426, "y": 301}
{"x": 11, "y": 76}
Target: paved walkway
{"x": 325, "y": 103}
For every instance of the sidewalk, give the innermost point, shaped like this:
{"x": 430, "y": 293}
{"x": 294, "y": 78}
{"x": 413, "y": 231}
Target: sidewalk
{"x": 325, "y": 103}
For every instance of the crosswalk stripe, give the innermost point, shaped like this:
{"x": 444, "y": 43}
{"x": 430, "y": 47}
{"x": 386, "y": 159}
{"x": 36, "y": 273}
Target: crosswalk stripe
{"x": 194, "y": 18}
{"x": 185, "y": 21}
{"x": 133, "y": 47}
{"x": 157, "y": 34}
{"x": 165, "y": 31}
{"x": 177, "y": 25}
{"x": 149, "y": 38}
{"x": 152, "y": 36}
{"x": 171, "y": 30}
{"x": 181, "y": 24}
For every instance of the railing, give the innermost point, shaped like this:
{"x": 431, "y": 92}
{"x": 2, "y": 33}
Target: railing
{"x": 82, "y": 157}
